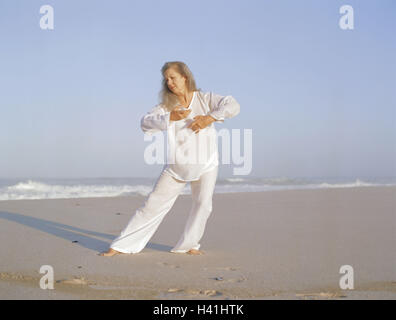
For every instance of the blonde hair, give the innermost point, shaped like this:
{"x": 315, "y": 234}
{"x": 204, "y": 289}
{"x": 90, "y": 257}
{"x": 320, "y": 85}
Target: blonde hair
{"x": 167, "y": 98}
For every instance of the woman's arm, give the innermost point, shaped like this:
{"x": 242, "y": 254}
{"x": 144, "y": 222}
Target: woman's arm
{"x": 221, "y": 107}
{"x": 155, "y": 120}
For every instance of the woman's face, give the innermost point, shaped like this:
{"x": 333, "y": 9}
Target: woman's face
{"x": 175, "y": 81}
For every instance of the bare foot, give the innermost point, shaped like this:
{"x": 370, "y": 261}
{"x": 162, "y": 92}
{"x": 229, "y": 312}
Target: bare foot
{"x": 111, "y": 252}
{"x": 194, "y": 252}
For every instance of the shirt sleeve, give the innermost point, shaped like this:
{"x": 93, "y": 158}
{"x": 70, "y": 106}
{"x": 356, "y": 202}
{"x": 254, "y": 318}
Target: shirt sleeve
{"x": 155, "y": 120}
{"x": 221, "y": 107}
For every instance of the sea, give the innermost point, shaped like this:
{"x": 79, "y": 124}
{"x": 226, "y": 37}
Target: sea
{"x": 62, "y": 188}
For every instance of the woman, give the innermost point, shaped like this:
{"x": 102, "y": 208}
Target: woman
{"x": 187, "y": 115}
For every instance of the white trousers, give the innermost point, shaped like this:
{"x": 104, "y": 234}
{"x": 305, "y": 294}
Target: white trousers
{"x": 147, "y": 218}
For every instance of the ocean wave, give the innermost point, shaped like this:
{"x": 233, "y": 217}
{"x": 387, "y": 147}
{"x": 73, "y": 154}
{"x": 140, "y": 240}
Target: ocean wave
{"x": 357, "y": 183}
{"x": 235, "y": 180}
{"x": 39, "y": 190}
{"x": 91, "y": 188}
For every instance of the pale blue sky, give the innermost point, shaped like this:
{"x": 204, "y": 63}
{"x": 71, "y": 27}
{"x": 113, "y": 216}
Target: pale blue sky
{"x": 320, "y": 100}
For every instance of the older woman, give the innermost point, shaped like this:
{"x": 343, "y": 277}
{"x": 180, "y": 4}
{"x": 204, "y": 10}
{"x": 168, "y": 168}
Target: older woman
{"x": 187, "y": 115}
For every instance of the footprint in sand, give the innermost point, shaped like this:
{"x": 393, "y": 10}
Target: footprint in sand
{"x": 321, "y": 295}
{"x": 171, "y": 290}
{"x": 223, "y": 268}
{"x": 241, "y": 279}
{"x": 195, "y": 292}
{"x": 173, "y": 293}
{"x": 166, "y": 264}
{"x": 233, "y": 280}
{"x": 208, "y": 293}
{"x": 74, "y": 281}
{"x": 14, "y": 276}
{"x": 222, "y": 278}
{"x": 227, "y": 268}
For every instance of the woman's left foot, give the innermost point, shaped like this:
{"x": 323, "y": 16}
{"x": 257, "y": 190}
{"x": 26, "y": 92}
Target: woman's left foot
{"x": 194, "y": 252}
{"x": 111, "y": 252}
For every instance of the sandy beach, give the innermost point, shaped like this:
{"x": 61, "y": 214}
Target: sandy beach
{"x": 264, "y": 245}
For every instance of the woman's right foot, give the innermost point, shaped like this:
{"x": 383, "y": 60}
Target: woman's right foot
{"x": 111, "y": 252}
{"x": 194, "y": 252}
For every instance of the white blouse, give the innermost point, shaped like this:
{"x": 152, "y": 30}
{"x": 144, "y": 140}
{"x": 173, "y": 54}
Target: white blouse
{"x": 191, "y": 154}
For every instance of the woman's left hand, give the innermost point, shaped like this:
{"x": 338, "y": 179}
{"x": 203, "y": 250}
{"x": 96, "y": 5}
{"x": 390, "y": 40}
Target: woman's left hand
{"x": 201, "y": 122}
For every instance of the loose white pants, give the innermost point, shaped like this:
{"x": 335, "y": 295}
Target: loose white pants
{"x": 146, "y": 219}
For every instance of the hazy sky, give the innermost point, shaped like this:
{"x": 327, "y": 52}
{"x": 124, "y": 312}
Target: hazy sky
{"x": 320, "y": 100}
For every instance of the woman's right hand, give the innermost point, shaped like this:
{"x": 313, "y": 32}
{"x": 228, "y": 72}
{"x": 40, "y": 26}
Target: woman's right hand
{"x": 179, "y": 113}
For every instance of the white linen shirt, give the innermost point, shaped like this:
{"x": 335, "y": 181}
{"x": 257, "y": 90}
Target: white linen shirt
{"x": 189, "y": 154}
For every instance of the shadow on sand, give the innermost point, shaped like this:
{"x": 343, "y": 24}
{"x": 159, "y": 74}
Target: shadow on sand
{"x": 83, "y": 237}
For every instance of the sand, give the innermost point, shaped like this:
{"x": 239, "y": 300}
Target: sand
{"x": 265, "y": 245}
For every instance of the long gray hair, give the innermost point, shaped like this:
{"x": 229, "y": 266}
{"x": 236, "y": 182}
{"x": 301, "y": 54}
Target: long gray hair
{"x": 167, "y": 98}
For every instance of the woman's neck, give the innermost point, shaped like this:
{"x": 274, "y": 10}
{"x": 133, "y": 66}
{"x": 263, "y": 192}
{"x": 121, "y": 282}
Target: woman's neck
{"x": 185, "y": 97}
